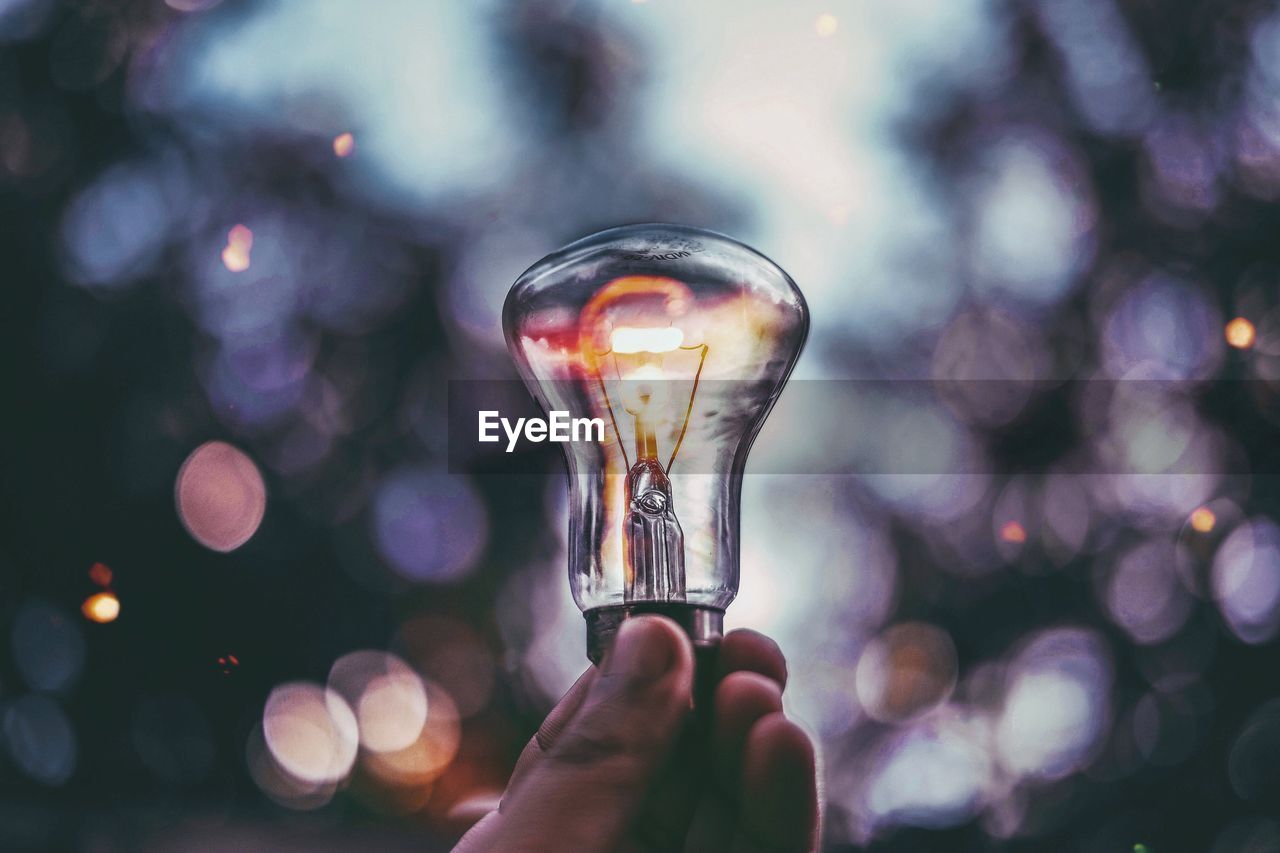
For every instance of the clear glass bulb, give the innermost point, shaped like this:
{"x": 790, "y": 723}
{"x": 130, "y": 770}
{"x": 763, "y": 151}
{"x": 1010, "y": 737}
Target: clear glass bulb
{"x": 679, "y": 341}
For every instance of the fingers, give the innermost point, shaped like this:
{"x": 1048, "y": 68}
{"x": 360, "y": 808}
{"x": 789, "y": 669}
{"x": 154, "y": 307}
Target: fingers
{"x": 549, "y": 732}
{"x": 590, "y": 781}
{"x": 779, "y": 807}
{"x": 753, "y": 652}
{"x": 742, "y": 699}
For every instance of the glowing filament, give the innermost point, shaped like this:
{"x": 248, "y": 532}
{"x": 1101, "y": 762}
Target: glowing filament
{"x": 628, "y": 339}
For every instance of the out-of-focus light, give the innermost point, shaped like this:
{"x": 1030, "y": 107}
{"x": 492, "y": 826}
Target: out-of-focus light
{"x": 278, "y": 783}
{"x": 259, "y": 384}
{"x": 344, "y": 144}
{"x": 389, "y": 698}
{"x": 389, "y": 711}
{"x": 1013, "y": 531}
{"x": 1016, "y": 519}
{"x": 191, "y": 5}
{"x": 294, "y": 253}
{"x": 1057, "y": 704}
{"x": 235, "y": 256}
{"x": 1203, "y": 520}
{"x": 1240, "y": 333}
{"x": 429, "y": 527}
{"x": 100, "y": 573}
{"x": 906, "y": 671}
{"x": 40, "y": 739}
{"x": 1163, "y": 326}
{"x": 1251, "y": 764}
{"x": 454, "y": 655}
{"x": 220, "y": 496}
{"x": 1199, "y": 539}
{"x": 543, "y": 627}
{"x": 1144, "y": 594}
{"x": 476, "y": 290}
{"x": 311, "y": 732}
{"x": 115, "y": 229}
{"x": 421, "y": 762}
{"x": 923, "y": 441}
{"x": 1034, "y": 217}
{"x": 936, "y": 775}
{"x": 781, "y": 607}
{"x": 826, "y": 24}
{"x": 853, "y": 604}
{"x": 101, "y": 607}
{"x": 239, "y": 73}
{"x": 1246, "y": 580}
{"x": 1067, "y": 511}
{"x": 22, "y": 19}
{"x": 48, "y": 647}
{"x": 1110, "y": 83}
{"x": 1182, "y": 169}
{"x": 240, "y": 236}
{"x": 986, "y": 365}
{"x": 1045, "y": 714}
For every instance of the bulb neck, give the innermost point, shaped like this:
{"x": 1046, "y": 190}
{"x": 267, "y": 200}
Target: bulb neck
{"x": 704, "y": 625}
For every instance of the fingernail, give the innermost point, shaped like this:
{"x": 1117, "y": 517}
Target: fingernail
{"x": 642, "y": 650}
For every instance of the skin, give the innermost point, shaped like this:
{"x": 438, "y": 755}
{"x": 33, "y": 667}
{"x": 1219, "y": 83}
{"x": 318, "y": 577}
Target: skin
{"x": 620, "y": 763}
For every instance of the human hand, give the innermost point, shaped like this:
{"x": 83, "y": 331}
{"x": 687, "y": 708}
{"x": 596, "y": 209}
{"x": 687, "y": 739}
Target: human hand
{"x": 615, "y": 768}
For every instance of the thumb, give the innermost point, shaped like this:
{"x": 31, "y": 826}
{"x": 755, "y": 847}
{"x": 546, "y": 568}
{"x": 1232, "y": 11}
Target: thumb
{"x": 588, "y": 786}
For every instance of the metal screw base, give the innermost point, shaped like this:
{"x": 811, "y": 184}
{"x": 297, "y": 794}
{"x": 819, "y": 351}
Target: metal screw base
{"x": 704, "y": 625}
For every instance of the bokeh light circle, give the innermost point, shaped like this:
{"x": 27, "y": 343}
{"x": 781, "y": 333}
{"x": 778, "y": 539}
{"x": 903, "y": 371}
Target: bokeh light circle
{"x": 40, "y": 739}
{"x": 48, "y": 647}
{"x": 426, "y": 758}
{"x": 905, "y": 671}
{"x": 1056, "y": 706}
{"x": 428, "y": 526}
{"x": 1246, "y": 580}
{"x": 220, "y": 496}
{"x": 389, "y": 698}
{"x": 1144, "y": 593}
{"x": 310, "y": 731}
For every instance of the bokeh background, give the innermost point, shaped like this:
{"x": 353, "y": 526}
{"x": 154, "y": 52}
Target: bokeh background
{"x": 247, "y": 604}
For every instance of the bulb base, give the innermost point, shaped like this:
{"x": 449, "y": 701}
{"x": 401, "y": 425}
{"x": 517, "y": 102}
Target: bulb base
{"x": 704, "y": 625}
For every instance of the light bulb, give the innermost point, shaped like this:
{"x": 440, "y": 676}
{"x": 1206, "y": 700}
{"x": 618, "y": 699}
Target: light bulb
{"x": 679, "y": 341}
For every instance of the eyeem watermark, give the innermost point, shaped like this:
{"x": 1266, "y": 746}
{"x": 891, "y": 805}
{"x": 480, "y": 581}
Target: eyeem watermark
{"x": 559, "y": 427}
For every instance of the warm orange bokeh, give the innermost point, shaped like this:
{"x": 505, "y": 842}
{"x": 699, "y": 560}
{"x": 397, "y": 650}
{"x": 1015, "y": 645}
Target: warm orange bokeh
{"x": 101, "y": 607}
{"x": 235, "y": 256}
{"x": 100, "y": 573}
{"x": 1240, "y": 333}
{"x": 1203, "y": 520}
{"x": 1013, "y": 531}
